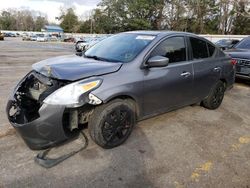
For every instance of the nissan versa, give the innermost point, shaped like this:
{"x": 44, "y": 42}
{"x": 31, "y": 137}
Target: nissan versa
{"x": 119, "y": 81}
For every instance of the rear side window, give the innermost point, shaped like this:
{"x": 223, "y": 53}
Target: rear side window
{"x": 211, "y": 49}
{"x": 173, "y": 48}
{"x": 199, "y": 48}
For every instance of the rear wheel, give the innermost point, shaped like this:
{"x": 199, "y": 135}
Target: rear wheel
{"x": 112, "y": 123}
{"x": 215, "y": 98}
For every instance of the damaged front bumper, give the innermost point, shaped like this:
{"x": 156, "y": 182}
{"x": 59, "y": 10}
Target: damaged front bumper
{"x": 45, "y": 131}
{"x": 41, "y": 125}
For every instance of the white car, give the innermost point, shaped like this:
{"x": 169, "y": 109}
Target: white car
{"x": 53, "y": 38}
{"x": 33, "y": 37}
{"x": 42, "y": 38}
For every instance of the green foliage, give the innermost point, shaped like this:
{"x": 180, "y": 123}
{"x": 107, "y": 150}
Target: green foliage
{"x": 197, "y": 16}
{"x": 112, "y": 16}
{"x": 85, "y": 27}
{"x": 242, "y": 20}
{"x": 7, "y": 20}
{"x": 69, "y": 21}
{"x": 40, "y": 23}
{"x": 116, "y": 16}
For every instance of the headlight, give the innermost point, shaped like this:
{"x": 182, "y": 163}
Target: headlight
{"x": 70, "y": 95}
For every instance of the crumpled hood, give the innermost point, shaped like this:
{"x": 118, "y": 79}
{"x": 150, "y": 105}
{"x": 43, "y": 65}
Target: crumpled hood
{"x": 74, "y": 67}
{"x": 238, "y": 53}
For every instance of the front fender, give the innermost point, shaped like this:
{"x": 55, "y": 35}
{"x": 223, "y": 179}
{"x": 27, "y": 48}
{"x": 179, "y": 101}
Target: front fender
{"x": 123, "y": 91}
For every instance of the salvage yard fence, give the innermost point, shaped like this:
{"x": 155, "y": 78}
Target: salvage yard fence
{"x": 213, "y": 38}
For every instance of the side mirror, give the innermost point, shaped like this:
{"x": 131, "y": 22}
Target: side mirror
{"x": 157, "y": 61}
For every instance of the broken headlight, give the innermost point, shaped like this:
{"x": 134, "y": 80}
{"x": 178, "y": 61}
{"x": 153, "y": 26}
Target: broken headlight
{"x": 70, "y": 95}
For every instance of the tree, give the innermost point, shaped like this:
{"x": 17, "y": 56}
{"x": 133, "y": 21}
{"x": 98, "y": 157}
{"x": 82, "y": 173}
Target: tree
{"x": 129, "y": 15}
{"x": 112, "y": 16}
{"x": 100, "y": 22}
{"x": 85, "y": 26}
{"x": 174, "y": 17}
{"x": 198, "y": 16}
{"x": 242, "y": 20}
{"x": 40, "y": 23}
{"x": 7, "y": 20}
{"x": 69, "y": 21}
{"x": 22, "y": 20}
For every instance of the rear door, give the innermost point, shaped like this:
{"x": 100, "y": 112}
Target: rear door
{"x": 170, "y": 87}
{"x": 207, "y": 68}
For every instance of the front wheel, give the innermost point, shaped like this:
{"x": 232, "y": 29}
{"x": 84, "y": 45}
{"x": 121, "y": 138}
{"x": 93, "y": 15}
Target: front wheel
{"x": 111, "y": 124}
{"x": 215, "y": 97}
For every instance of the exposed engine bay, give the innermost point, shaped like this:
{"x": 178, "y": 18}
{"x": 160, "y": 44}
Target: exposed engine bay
{"x": 29, "y": 95}
{"x": 28, "y": 99}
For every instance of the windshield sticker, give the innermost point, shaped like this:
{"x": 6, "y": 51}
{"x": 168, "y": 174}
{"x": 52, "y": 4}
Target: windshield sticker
{"x": 145, "y": 37}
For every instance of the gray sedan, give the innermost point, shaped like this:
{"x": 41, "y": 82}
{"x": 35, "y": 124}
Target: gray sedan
{"x": 119, "y": 81}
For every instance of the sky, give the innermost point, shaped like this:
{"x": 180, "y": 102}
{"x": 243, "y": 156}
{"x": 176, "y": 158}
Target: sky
{"x": 51, "y": 7}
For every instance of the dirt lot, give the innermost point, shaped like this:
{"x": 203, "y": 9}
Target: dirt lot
{"x": 191, "y": 147}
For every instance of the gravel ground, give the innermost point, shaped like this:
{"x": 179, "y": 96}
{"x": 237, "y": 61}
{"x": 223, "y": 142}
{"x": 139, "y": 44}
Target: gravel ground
{"x": 190, "y": 147}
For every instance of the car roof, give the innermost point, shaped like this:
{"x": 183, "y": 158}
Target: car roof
{"x": 161, "y": 32}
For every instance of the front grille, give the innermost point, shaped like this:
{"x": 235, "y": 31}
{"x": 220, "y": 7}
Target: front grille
{"x": 243, "y": 62}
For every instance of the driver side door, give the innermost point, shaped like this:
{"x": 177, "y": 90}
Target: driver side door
{"x": 170, "y": 87}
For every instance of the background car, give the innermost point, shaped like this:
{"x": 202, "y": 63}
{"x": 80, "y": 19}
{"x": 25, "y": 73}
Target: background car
{"x": 225, "y": 44}
{"x": 33, "y": 37}
{"x": 9, "y": 35}
{"x": 25, "y": 36}
{"x": 53, "y": 38}
{"x": 69, "y": 39}
{"x": 241, "y": 56}
{"x": 81, "y": 44}
{"x": 94, "y": 41}
{"x": 42, "y": 38}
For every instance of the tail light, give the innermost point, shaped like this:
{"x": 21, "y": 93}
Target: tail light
{"x": 233, "y": 61}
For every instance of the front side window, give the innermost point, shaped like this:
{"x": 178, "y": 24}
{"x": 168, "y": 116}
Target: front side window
{"x": 199, "y": 48}
{"x": 173, "y": 48}
{"x": 211, "y": 49}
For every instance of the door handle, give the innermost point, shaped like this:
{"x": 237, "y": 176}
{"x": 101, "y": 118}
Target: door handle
{"x": 185, "y": 74}
{"x": 217, "y": 69}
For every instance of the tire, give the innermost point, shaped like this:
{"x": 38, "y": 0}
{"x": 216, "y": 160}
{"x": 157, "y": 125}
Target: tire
{"x": 215, "y": 97}
{"x": 111, "y": 124}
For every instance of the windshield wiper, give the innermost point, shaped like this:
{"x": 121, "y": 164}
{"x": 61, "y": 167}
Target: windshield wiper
{"x": 100, "y": 58}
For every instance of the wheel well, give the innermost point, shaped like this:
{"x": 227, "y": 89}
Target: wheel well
{"x": 131, "y": 99}
{"x": 224, "y": 82}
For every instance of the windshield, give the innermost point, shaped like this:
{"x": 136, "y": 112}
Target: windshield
{"x": 244, "y": 44}
{"x": 119, "y": 48}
